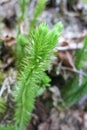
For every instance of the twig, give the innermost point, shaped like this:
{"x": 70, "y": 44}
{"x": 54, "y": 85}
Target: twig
{"x": 65, "y": 48}
{"x": 75, "y": 70}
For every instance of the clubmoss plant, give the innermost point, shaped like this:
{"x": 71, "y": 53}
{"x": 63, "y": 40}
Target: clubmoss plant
{"x": 74, "y": 91}
{"x": 39, "y": 50}
{"x": 9, "y": 127}
{"x": 81, "y": 56}
{"x": 23, "y": 7}
{"x": 2, "y": 105}
{"x": 22, "y": 38}
{"x": 37, "y": 11}
{"x": 2, "y": 102}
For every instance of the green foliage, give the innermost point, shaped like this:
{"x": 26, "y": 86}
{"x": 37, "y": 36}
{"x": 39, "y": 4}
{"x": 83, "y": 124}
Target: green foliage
{"x": 74, "y": 91}
{"x": 23, "y": 8}
{"x": 81, "y": 56}
{"x": 84, "y": 1}
{"x": 1, "y": 77}
{"x": 39, "y": 50}
{"x": 2, "y": 106}
{"x": 7, "y": 128}
{"x": 1, "y": 73}
{"x": 21, "y": 42}
{"x": 37, "y": 11}
{"x": 43, "y": 84}
{"x": 21, "y": 39}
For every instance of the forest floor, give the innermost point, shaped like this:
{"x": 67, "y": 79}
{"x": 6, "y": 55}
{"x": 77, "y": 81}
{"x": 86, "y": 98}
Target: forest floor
{"x": 46, "y": 115}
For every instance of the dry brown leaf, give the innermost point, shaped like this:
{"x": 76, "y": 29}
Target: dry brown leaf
{"x": 66, "y": 58}
{"x": 9, "y": 41}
